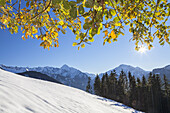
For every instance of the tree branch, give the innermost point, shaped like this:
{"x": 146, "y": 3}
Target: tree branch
{"x": 41, "y": 11}
{"x": 116, "y": 11}
{"x": 154, "y": 13}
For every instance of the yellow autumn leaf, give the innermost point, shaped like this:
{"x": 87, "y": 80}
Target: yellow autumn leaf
{"x": 55, "y": 34}
{"x": 83, "y": 45}
{"x": 61, "y": 22}
{"x": 36, "y": 36}
{"x": 106, "y": 32}
{"x": 26, "y": 35}
{"x": 74, "y": 44}
{"x": 56, "y": 45}
{"x": 44, "y": 38}
{"x": 48, "y": 9}
{"x": 23, "y": 37}
{"x": 113, "y": 35}
{"x": 34, "y": 30}
{"x": 117, "y": 24}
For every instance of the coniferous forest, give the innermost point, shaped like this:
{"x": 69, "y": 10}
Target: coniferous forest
{"x": 150, "y": 95}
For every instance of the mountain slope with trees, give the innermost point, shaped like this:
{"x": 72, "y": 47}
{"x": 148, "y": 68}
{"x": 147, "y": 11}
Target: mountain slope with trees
{"x": 151, "y": 96}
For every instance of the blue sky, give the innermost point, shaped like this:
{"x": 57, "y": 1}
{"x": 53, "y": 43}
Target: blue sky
{"x": 94, "y": 58}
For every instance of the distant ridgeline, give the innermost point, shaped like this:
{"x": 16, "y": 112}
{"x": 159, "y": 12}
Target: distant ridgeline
{"x": 65, "y": 75}
{"x": 148, "y": 95}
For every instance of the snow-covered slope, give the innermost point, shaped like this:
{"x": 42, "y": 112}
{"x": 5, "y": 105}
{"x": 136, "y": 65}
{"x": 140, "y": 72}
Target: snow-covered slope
{"x": 136, "y": 71}
{"x": 19, "y": 94}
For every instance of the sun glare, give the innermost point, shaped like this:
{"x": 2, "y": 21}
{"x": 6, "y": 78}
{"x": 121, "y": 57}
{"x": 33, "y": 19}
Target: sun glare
{"x": 142, "y": 49}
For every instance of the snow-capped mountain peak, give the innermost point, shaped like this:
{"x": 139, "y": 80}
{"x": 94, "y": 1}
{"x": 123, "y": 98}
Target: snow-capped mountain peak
{"x": 136, "y": 71}
{"x": 65, "y": 67}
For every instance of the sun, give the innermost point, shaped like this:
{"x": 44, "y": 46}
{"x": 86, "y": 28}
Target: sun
{"x": 142, "y": 49}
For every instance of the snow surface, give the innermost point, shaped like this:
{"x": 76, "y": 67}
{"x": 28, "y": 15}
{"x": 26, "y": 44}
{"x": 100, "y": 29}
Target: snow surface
{"x": 20, "y": 94}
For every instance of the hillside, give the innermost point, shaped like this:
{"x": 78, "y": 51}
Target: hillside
{"x": 20, "y": 94}
{"x": 38, "y": 75}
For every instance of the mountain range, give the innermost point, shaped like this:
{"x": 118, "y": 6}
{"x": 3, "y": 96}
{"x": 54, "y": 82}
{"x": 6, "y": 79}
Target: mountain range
{"x": 66, "y": 75}
{"x": 73, "y": 77}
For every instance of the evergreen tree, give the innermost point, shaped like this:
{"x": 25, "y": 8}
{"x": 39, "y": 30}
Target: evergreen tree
{"x": 166, "y": 87}
{"x": 133, "y": 92}
{"x": 107, "y": 85}
{"x": 144, "y": 94}
{"x": 120, "y": 88}
{"x": 130, "y": 79}
{"x": 104, "y": 85}
{"x": 139, "y": 94}
{"x": 97, "y": 87}
{"x": 166, "y": 96}
{"x": 88, "y": 87}
{"x": 129, "y": 88}
{"x": 158, "y": 95}
{"x": 150, "y": 95}
{"x": 112, "y": 85}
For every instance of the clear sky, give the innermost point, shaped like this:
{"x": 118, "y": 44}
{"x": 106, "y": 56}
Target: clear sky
{"x": 94, "y": 58}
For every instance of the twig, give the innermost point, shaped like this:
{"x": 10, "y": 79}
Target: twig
{"x": 116, "y": 12}
{"x": 154, "y": 13}
{"x": 14, "y": 3}
{"x": 41, "y": 11}
{"x": 19, "y": 9}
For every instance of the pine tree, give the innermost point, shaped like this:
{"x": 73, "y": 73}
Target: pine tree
{"x": 120, "y": 88}
{"x": 144, "y": 94}
{"x": 130, "y": 79}
{"x": 112, "y": 85}
{"x": 150, "y": 95}
{"x": 88, "y": 87}
{"x": 166, "y": 87}
{"x": 166, "y": 96}
{"x": 129, "y": 88}
{"x": 97, "y": 88}
{"x": 158, "y": 95}
{"x": 139, "y": 94}
{"x": 107, "y": 85}
{"x": 133, "y": 92}
{"x": 104, "y": 87}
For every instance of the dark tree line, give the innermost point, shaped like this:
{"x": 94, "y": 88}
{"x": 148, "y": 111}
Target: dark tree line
{"x": 151, "y": 95}
{"x": 88, "y": 87}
